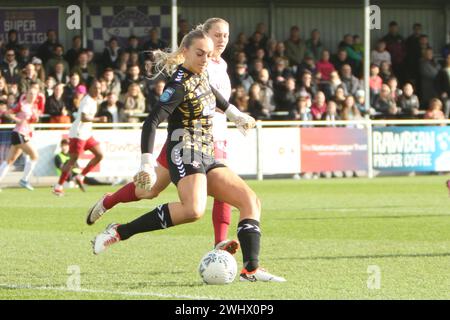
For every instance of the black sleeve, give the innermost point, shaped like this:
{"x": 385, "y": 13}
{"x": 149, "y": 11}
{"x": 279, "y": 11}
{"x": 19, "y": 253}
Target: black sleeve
{"x": 58, "y": 162}
{"x": 171, "y": 98}
{"x": 221, "y": 103}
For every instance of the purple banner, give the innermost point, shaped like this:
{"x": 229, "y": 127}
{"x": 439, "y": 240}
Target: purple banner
{"x": 31, "y": 24}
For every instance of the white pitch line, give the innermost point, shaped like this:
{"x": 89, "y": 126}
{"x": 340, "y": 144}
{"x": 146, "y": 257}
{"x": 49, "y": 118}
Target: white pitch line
{"x": 121, "y": 293}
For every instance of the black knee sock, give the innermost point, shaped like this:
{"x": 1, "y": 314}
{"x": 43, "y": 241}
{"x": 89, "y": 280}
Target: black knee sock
{"x": 158, "y": 218}
{"x": 249, "y": 236}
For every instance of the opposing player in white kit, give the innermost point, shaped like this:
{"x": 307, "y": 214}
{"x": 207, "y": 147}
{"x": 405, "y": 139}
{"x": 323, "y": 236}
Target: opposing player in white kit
{"x": 29, "y": 108}
{"x": 218, "y": 30}
{"x": 81, "y": 139}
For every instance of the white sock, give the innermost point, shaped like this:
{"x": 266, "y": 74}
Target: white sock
{"x": 4, "y": 167}
{"x": 29, "y": 167}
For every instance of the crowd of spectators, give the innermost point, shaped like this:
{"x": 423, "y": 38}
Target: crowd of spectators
{"x": 294, "y": 79}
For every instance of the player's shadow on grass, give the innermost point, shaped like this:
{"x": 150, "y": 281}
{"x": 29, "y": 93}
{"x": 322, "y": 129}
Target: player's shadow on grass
{"x": 374, "y": 256}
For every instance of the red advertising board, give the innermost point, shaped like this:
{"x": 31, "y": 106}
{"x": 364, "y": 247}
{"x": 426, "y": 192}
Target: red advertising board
{"x": 333, "y": 149}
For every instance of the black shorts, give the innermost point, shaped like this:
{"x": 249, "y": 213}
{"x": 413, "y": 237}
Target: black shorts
{"x": 17, "y": 138}
{"x": 184, "y": 162}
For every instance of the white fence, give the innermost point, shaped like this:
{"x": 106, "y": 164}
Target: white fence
{"x": 282, "y": 147}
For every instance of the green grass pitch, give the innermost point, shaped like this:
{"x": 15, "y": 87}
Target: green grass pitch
{"x": 322, "y": 235}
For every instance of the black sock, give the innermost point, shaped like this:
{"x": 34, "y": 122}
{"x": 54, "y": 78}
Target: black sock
{"x": 249, "y": 236}
{"x": 158, "y": 218}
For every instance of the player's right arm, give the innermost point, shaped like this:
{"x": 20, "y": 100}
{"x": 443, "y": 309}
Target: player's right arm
{"x": 171, "y": 98}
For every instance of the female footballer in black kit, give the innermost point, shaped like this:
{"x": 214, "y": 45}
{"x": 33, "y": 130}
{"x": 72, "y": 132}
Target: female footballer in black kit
{"x": 188, "y": 102}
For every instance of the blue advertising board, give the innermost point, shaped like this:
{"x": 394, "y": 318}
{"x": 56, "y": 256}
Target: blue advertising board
{"x": 425, "y": 148}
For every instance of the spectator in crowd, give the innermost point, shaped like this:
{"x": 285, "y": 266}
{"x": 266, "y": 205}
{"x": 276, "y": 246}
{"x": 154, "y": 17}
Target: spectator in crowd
{"x": 375, "y": 81}
{"x": 442, "y": 84}
{"x": 280, "y": 73}
{"x": 339, "y": 97}
{"x": 13, "y": 89}
{"x": 396, "y": 47}
{"x": 341, "y": 58}
{"x": 255, "y": 43}
{"x": 46, "y": 50}
{"x": 350, "y": 110}
{"x": 287, "y": 95}
{"x": 133, "y": 76}
{"x": 111, "y": 53}
{"x": 72, "y": 54}
{"x": 91, "y": 60}
{"x": 331, "y": 113}
{"x": 12, "y": 42}
{"x": 60, "y": 74}
{"x": 40, "y": 71}
{"x": 358, "y": 46}
{"x": 380, "y": 54}
{"x": 255, "y": 68}
{"x": 314, "y": 46}
{"x": 434, "y": 111}
{"x": 413, "y": 53}
{"x": 24, "y": 56}
{"x": 69, "y": 89}
{"x": 408, "y": 101}
{"x": 56, "y": 107}
{"x": 133, "y": 103}
{"x": 112, "y": 83}
{"x": 239, "y": 98}
{"x": 240, "y": 58}
{"x": 295, "y": 47}
{"x": 262, "y": 29}
{"x": 307, "y": 64}
{"x": 133, "y": 44}
{"x": 183, "y": 27}
{"x": 10, "y": 68}
{"x": 240, "y": 76}
{"x": 301, "y": 111}
{"x": 49, "y": 87}
{"x": 319, "y": 106}
{"x": 266, "y": 93}
{"x": 134, "y": 58}
{"x": 324, "y": 66}
{"x": 361, "y": 102}
{"x": 111, "y": 108}
{"x": 355, "y": 58}
{"x": 256, "y": 107}
{"x": 4, "y": 112}
{"x": 307, "y": 86}
{"x": 124, "y": 58}
{"x": 154, "y": 95}
{"x": 58, "y": 56}
{"x": 385, "y": 71}
{"x": 3, "y": 87}
{"x": 351, "y": 82}
{"x": 384, "y": 103}
{"x": 239, "y": 45}
{"x": 396, "y": 92}
{"x": 261, "y": 55}
{"x": 84, "y": 69}
{"x": 336, "y": 82}
{"x": 29, "y": 77}
{"x": 280, "y": 52}
{"x": 121, "y": 72}
{"x": 155, "y": 42}
{"x": 429, "y": 70}
{"x": 270, "y": 51}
